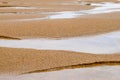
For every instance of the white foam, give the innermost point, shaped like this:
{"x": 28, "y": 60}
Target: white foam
{"x": 95, "y": 73}
{"x": 101, "y": 44}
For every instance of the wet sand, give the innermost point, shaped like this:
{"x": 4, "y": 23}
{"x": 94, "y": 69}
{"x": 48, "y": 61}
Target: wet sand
{"x": 101, "y": 0}
{"x": 28, "y": 27}
{"x": 24, "y": 61}
{"x": 112, "y": 15}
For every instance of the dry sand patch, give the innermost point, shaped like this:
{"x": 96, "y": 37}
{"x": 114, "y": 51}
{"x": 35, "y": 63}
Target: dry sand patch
{"x": 58, "y": 28}
{"x": 19, "y": 61}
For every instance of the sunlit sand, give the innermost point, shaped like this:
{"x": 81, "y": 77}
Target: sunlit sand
{"x": 59, "y": 39}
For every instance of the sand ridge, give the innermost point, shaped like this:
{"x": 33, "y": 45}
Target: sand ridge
{"x": 19, "y": 61}
{"x": 59, "y": 28}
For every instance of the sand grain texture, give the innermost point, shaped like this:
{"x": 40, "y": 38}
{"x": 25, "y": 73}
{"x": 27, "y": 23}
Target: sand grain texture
{"x": 59, "y": 28}
{"x": 19, "y": 61}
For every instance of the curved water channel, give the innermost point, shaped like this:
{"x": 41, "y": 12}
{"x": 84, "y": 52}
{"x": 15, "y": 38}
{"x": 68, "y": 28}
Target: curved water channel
{"x": 95, "y": 73}
{"x": 98, "y": 44}
{"x": 100, "y": 8}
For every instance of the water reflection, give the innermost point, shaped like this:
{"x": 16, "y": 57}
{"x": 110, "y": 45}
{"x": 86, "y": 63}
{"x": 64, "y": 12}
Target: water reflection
{"x": 100, "y": 44}
{"x": 100, "y": 8}
{"x": 96, "y": 73}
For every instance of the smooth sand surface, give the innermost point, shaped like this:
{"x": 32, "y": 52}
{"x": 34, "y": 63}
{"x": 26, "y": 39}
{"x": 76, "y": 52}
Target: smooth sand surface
{"x": 13, "y": 16}
{"x": 59, "y": 28}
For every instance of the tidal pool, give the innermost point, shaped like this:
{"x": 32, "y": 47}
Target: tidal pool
{"x": 94, "y": 73}
{"x": 98, "y": 44}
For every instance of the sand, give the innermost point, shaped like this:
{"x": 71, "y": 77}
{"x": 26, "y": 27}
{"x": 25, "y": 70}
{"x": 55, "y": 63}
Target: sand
{"x": 11, "y": 26}
{"x": 18, "y": 61}
{"x": 58, "y": 28}
{"x": 25, "y": 61}
{"x": 101, "y": 0}
{"x": 22, "y": 16}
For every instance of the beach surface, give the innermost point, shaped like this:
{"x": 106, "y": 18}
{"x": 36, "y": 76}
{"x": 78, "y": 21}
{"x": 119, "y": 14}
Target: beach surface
{"x": 51, "y": 39}
{"x": 21, "y": 61}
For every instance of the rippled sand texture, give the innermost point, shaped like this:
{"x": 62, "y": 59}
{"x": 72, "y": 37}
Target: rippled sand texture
{"x": 59, "y": 39}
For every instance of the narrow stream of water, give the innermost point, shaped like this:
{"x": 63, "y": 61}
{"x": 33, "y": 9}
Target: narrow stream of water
{"x": 100, "y": 8}
{"x": 100, "y": 44}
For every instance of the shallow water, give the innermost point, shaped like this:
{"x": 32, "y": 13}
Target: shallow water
{"x": 95, "y": 73}
{"x": 106, "y": 7}
{"x": 100, "y": 44}
{"x": 100, "y": 8}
